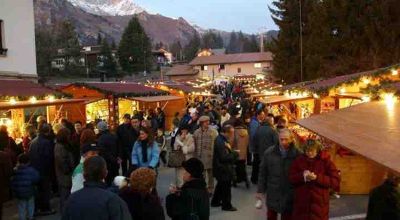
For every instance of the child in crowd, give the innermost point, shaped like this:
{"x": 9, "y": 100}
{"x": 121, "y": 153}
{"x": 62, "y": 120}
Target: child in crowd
{"x": 23, "y": 185}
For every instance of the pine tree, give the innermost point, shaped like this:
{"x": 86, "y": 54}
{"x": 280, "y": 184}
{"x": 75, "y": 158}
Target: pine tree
{"x": 99, "y": 39}
{"x": 67, "y": 40}
{"x": 107, "y": 61}
{"x": 192, "y": 48}
{"x": 177, "y": 50}
{"x": 134, "y": 50}
{"x": 45, "y": 51}
{"x": 219, "y": 42}
{"x": 233, "y": 41}
{"x": 113, "y": 45}
{"x": 251, "y": 44}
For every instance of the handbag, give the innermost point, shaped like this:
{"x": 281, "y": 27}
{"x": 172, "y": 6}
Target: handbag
{"x": 176, "y": 158}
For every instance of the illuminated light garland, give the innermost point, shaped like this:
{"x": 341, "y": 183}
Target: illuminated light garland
{"x": 13, "y": 101}
{"x": 33, "y": 100}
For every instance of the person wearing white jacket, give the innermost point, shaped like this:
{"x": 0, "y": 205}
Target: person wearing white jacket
{"x": 185, "y": 142}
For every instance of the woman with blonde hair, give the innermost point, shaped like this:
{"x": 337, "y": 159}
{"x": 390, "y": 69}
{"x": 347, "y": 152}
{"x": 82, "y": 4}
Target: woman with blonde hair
{"x": 143, "y": 204}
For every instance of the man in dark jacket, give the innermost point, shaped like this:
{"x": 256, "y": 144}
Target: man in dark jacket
{"x": 41, "y": 154}
{"x": 127, "y": 135}
{"x": 264, "y": 137}
{"x": 384, "y": 200}
{"x": 94, "y": 201}
{"x": 109, "y": 150}
{"x": 193, "y": 197}
{"x": 273, "y": 179}
{"x": 6, "y": 169}
{"x": 223, "y": 169}
{"x": 160, "y": 117}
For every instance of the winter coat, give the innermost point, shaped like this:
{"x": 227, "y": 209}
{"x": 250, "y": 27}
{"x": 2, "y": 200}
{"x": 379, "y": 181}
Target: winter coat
{"x": 224, "y": 160}
{"x": 109, "y": 149}
{"x": 6, "y": 170}
{"x": 64, "y": 165}
{"x": 311, "y": 199}
{"x": 142, "y": 206}
{"x": 127, "y": 135}
{"x": 187, "y": 145}
{"x": 384, "y": 202}
{"x": 274, "y": 178}
{"x": 41, "y": 154}
{"x": 241, "y": 141}
{"x": 253, "y": 126}
{"x": 192, "y": 199}
{"x": 265, "y": 137}
{"x": 23, "y": 183}
{"x": 153, "y": 155}
{"x": 94, "y": 201}
{"x": 161, "y": 120}
{"x": 204, "y": 146}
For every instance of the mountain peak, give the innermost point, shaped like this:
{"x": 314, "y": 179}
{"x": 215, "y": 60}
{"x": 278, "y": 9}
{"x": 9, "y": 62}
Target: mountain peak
{"x": 108, "y": 7}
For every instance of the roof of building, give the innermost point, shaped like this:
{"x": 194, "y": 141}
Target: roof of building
{"x": 23, "y": 88}
{"x": 352, "y": 128}
{"x": 232, "y": 58}
{"x": 157, "y": 98}
{"x": 123, "y": 89}
{"x": 181, "y": 70}
{"x": 320, "y": 84}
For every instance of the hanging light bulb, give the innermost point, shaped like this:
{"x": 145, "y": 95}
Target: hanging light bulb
{"x": 394, "y": 72}
{"x": 51, "y": 98}
{"x": 366, "y": 81}
{"x": 33, "y": 99}
{"x": 366, "y": 99}
{"x": 13, "y": 101}
{"x": 342, "y": 90}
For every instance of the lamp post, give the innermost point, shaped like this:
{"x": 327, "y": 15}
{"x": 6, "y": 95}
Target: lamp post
{"x": 301, "y": 41}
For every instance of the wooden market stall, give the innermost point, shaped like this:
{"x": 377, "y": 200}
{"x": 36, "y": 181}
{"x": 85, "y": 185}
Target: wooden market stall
{"x": 342, "y": 91}
{"x": 111, "y": 100}
{"x": 22, "y": 101}
{"x": 371, "y": 133}
{"x": 293, "y": 107}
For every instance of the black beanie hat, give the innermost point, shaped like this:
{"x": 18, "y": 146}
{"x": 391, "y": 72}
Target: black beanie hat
{"x": 194, "y": 166}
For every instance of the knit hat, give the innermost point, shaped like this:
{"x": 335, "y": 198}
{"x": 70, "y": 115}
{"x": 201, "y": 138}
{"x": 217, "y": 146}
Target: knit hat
{"x": 102, "y": 126}
{"x": 88, "y": 147}
{"x": 194, "y": 166}
{"x": 204, "y": 118}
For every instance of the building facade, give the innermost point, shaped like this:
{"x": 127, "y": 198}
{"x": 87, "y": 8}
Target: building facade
{"x": 17, "y": 39}
{"x": 230, "y": 65}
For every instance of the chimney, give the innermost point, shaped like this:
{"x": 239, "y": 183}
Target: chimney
{"x": 261, "y": 42}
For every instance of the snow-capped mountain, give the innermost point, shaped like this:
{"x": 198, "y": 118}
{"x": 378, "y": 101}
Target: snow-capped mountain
{"x": 108, "y": 7}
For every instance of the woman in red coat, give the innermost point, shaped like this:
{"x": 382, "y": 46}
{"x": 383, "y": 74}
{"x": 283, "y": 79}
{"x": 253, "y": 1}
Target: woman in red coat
{"x": 312, "y": 176}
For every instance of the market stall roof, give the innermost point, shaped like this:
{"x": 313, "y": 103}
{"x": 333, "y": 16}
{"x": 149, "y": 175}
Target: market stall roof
{"x": 23, "y": 88}
{"x": 232, "y": 58}
{"x": 352, "y": 95}
{"x": 123, "y": 89}
{"x": 181, "y": 70}
{"x": 321, "y": 84}
{"x": 281, "y": 99}
{"x": 38, "y": 103}
{"x": 370, "y": 129}
{"x": 157, "y": 98}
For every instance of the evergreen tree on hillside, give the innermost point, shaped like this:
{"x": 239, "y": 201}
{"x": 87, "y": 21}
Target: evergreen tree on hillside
{"x": 177, "y": 50}
{"x": 113, "y": 45}
{"x": 211, "y": 40}
{"x": 107, "y": 61}
{"x": 67, "y": 40}
{"x": 99, "y": 39}
{"x": 134, "y": 50}
{"x": 45, "y": 51}
{"x": 251, "y": 44}
{"x": 192, "y": 48}
{"x": 233, "y": 42}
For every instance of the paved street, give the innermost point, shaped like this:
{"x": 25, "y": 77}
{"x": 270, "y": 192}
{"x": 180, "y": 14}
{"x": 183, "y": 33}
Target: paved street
{"x": 347, "y": 207}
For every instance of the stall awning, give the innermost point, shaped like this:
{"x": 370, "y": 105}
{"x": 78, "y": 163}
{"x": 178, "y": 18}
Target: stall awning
{"x": 282, "y": 99}
{"x": 156, "y": 98}
{"x": 23, "y": 88}
{"x": 369, "y": 129}
{"x": 39, "y": 103}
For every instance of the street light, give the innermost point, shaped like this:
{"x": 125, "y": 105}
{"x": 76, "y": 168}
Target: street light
{"x": 301, "y": 43}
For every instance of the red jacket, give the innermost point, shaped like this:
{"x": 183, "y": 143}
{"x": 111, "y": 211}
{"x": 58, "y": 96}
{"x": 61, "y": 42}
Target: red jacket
{"x": 311, "y": 199}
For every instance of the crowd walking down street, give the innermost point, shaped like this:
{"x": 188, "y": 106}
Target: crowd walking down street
{"x": 101, "y": 173}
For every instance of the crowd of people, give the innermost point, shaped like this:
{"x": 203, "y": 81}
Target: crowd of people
{"x": 98, "y": 173}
